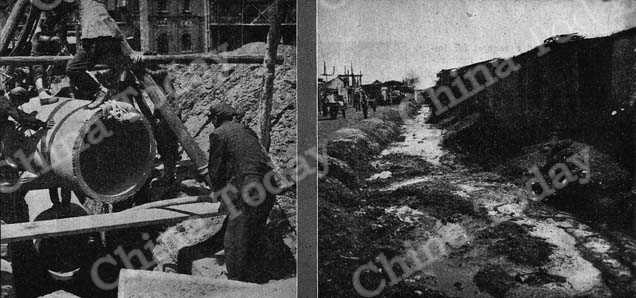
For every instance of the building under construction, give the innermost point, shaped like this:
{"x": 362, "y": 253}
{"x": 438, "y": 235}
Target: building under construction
{"x": 202, "y": 25}
{"x": 190, "y": 26}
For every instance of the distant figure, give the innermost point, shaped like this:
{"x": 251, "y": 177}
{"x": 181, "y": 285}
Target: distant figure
{"x": 342, "y": 106}
{"x": 332, "y": 104}
{"x": 371, "y": 101}
{"x": 356, "y": 101}
{"x": 385, "y": 95}
{"x": 364, "y": 100}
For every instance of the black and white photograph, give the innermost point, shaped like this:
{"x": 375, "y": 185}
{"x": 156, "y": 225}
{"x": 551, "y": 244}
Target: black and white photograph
{"x": 480, "y": 148}
{"x": 148, "y": 148}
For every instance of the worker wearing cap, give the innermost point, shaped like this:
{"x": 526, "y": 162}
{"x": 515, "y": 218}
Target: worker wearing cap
{"x": 236, "y": 160}
{"x": 102, "y": 41}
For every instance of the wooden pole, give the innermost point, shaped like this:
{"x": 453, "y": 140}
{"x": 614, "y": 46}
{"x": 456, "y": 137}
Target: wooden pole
{"x": 265, "y": 108}
{"x": 633, "y": 107}
{"x": 144, "y": 26}
{"x": 12, "y": 22}
{"x": 160, "y": 101}
{"x": 187, "y": 141}
{"x": 206, "y": 25}
{"x": 156, "y": 59}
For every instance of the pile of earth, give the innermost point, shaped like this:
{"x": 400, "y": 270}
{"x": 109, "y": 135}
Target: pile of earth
{"x": 197, "y": 86}
{"x": 604, "y": 200}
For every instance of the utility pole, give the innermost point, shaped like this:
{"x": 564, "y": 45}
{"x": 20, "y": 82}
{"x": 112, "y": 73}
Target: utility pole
{"x": 324, "y": 71}
{"x": 265, "y": 107}
{"x": 633, "y": 108}
{"x": 144, "y": 26}
{"x": 206, "y": 25}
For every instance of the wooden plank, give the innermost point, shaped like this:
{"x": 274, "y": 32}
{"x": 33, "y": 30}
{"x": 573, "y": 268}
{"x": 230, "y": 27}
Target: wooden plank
{"x": 153, "y": 59}
{"x": 105, "y": 222}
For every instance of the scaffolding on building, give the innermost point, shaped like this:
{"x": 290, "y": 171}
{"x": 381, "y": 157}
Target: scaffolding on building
{"x": 234, "y": 23}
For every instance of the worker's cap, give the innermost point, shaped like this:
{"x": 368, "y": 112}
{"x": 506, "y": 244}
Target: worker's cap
{"x": 222, "y": 110}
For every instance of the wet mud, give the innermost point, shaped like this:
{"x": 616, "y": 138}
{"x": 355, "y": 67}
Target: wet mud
{"x": 513, "y": 246}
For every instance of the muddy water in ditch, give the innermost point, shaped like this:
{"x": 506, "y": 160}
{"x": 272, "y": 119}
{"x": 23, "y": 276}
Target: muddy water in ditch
{"x": 424, "y": 140}
{"x": 502, "y": 202}
{"x": 420, "y": 139}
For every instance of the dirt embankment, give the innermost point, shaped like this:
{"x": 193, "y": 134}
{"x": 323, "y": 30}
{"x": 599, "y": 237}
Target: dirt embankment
{"x": 603, "y": 201}
{"x": 582, "y": 188}
{"x": 353, "y": 225}
{"x": 199, "y": 85}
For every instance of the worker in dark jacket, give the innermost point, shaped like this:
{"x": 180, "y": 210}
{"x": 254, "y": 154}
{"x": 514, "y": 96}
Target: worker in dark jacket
{"x": 102, "y": 42}
{"x": 237, "y": 161}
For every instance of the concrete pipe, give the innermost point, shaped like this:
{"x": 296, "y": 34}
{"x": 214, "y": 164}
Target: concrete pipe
{"x": 102, "y": 157}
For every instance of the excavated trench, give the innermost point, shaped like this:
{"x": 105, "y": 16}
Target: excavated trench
{"x": 513, "y": 246}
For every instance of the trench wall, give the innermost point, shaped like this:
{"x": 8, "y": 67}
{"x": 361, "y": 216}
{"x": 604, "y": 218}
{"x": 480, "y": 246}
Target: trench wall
{"x": 579, "y": 89}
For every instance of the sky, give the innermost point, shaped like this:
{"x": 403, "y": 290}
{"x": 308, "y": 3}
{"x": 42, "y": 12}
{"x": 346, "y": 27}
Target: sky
{"x": 388, "y": 39}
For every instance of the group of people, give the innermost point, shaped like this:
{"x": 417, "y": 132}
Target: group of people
{"x": 236, "y": 156}
{"x": 333, "y": 103}
{"x": 361, "y": 101}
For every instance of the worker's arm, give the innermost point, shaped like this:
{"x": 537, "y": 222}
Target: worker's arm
{"x": 26, "y": 120}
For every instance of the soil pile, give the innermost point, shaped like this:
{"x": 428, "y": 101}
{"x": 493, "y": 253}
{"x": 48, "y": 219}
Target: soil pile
{"x": 603, "y": 200}
{"x": 197, "y": 86}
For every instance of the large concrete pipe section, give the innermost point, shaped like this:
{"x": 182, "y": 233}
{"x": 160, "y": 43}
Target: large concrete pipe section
{"x": 96, "y": 154}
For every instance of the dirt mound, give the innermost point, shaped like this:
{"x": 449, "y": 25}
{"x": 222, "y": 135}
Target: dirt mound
{"x": 381, "y": 131}
{"x": 197, "y": 86}
{"x": 603, "y": 199}
{"x": 357, "y": 145}
{"x": 354, "y": 147}
{"x": 334, "y": 191}
{"x": 340, "y": 170}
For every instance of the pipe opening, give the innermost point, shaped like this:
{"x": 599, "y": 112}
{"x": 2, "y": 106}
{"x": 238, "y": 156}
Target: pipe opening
{"x": 118, "y": 164}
